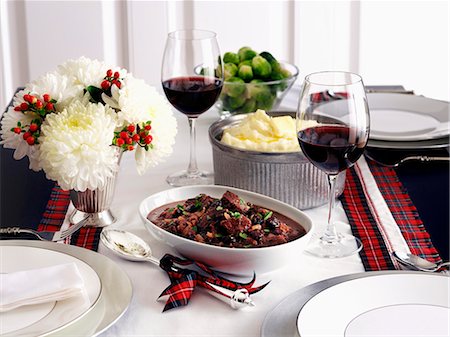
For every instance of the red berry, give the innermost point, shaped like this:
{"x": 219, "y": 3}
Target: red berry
{"x": 117, "y": 83}
{"x": 120, "y": 142}
{"x": 49, "y": 106}
{"x": 131, "y": 128}
{"x": 39, "y": 105}
{"x": 116, "y": 74}
{"x": 17, "y": 108}
{"x": 24, "y": 106}
{"x": 27, "y": 98}
{"x": 30, "y": 140}
{"x": 129, "y": 140}
{"x": 26, "y": 135}
{"x": 46, "y": 98}
{"x": 136, "y": 137}
{"x": 142, "y": 134}
{"x": 130, "y": 147}
{"x": 33, "y": 127}
{"x": 148, "y": 127}
{"x": 33, "y": 99}
{"x": 148, "y": 139}
{"x": 124, "y": 135}
{"x": 17, "y": 130}
{"x": 105, "y": 85}
{"x": 109, "y": 73}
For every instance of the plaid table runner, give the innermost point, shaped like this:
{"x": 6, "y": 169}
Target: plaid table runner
{"x": 375, "y": 226}
{"x": 54, "y": 215}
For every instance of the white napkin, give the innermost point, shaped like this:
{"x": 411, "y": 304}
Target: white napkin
{"x": 39, "y": 285}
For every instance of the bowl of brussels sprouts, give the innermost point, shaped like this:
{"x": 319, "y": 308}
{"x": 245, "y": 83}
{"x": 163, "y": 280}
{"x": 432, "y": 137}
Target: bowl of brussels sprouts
{"x": 253, "y": 81}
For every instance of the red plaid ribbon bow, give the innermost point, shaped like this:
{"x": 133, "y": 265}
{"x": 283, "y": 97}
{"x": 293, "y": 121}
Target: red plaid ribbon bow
{"x": 183, "y": 281}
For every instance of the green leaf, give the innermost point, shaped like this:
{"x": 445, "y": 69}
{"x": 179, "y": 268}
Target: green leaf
{"x": 96, "y": 94}
{"x": 235, "y": 215}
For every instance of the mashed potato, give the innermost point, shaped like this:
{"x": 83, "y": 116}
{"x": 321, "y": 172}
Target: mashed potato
{"x": 260, "y": 132}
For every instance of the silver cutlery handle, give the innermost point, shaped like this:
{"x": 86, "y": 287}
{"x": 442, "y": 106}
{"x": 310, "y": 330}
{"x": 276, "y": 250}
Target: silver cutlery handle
{"x": 10, "y": 230}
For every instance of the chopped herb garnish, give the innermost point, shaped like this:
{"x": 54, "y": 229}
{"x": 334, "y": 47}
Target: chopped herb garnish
{"x": 208, "y": 217}
{"x": 180, "y": 207}
{"x": 218, "y": 235}
{"x": 241, "y": 201}
{"x": 268, "y": 215}
{"x": 243, "y": 235}
{"x": 235, "y": 215}
{"x": 247, "y": 246}
{"x": 198, "y": 204}
{"x": 194, "y": 228}
{"x": 266, "y": 230}
{"x": 171, "y": 209}
{"x": 219, "y": 208}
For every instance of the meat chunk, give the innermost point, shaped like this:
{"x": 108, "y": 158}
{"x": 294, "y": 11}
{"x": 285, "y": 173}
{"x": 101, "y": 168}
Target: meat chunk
{"x": 234, "y": 203}
{"x": 234, "y": 225}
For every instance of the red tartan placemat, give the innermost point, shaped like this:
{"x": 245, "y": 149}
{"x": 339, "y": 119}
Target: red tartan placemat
{"x": 54, "y": 215}
{"x": 375, "y": 254}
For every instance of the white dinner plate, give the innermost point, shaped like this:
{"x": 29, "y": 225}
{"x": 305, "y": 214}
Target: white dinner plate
{"x": 282, "y": 320}
{"x": 400, "y": 117}
{"x": 41, "y": 319}
{"x": 115, "y": 293}
{"x": 380, "y": 305}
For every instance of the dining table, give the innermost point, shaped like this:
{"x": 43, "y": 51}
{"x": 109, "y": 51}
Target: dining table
{"x": 24, "y": 195}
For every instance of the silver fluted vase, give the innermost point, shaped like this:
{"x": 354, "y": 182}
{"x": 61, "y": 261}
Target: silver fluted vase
{"x": 95, "y": 204}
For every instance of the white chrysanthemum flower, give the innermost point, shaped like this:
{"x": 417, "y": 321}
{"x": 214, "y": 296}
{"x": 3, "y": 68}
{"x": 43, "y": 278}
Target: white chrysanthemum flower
{"x": 59, "y": 87}
{"x": 76, "y": 146}
{"x": 85, "y": 72}
{"x": 11, "y": 140}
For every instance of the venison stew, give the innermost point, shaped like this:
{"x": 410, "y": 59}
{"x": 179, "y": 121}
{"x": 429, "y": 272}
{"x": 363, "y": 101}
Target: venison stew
{"x": 227, "y": 222}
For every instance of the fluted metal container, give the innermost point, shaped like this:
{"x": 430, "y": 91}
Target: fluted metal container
{"x": 94, "y": 201}
{"x": 95, "y": 204}
{"x": 288, "y": 177}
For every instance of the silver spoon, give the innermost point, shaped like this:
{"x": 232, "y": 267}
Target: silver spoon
{"x": 418, "y": 263}
{"x": 133, "y": 248}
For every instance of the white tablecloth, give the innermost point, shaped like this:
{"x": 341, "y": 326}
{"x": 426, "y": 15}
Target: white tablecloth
{"x": 205, "y": 315}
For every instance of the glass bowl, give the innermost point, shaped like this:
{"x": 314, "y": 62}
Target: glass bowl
{"x": 241, "y": 98}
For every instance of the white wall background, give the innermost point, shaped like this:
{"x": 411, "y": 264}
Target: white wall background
{"x": 387, "y": 42}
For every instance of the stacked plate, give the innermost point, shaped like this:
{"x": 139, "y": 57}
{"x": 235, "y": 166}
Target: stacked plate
{"x": 107, "y": 296}
{"x": 375, "y": 304}
{"x": 408, "y": 122}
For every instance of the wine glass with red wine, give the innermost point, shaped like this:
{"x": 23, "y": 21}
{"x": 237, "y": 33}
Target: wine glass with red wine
{"x": 333, "y": 129}
{"x": 192, "y": 78}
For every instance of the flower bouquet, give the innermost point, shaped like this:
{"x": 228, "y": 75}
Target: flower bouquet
{"x": 75, "y": 122}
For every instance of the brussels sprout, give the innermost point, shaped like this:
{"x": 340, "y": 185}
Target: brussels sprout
{"x": 235, "y": 102}
{"x": 230, "y": 57}
{"x": 249, "y": 106}
{"x": 262, "y": 94}
{"x": 234, "y": 87}
{"x": 268, "y": 56}
{"x": 246, "y": 53}
{"x": 261, "y": 67}
{"x": 230, "y": 70}
{"x": 245, "y": 72}
{"x": 245, "y": 63}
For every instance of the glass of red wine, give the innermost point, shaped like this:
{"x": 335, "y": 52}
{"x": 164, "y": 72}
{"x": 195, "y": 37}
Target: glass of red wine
{"x": 333, "y": 129}
{"x": 192, "y": 78}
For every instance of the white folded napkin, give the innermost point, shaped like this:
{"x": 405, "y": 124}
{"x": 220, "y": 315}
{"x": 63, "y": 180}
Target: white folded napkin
{"x": 39, "y": 285}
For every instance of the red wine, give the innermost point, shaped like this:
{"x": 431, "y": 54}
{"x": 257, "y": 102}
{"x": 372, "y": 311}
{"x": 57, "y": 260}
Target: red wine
{"x": 330, "y": 148}
{"x": 192, "y": 95}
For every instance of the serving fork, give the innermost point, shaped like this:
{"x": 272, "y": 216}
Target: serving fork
{"x": 409, "y": 158}
{"x": 46, "y": 235}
